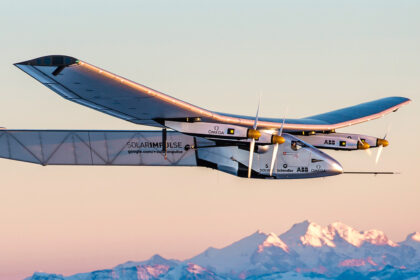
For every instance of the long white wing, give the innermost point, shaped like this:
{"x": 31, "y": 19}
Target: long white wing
{"x": 101, "y": 90}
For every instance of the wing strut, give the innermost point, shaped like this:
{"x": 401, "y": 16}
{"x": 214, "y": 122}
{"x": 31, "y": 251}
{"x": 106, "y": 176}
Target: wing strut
{"x": 164, "y": 143}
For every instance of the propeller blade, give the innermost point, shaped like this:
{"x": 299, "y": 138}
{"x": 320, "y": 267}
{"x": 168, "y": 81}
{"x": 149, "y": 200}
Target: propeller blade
{"x": 252, "y": 144}
{"x": 251, "y": 156}
{"x": 273, "y": 159}
{"x": 368, "y": 152}
{"x": 281, "y": 128}
{"x": 382, "y": 144}
{"x": 378, "y": 155}
{"x": 258, "y": 110}
{"x": 276, "y": 148}
{"x": 387, "y": 131}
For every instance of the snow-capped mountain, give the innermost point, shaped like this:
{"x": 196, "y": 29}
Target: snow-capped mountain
{"x": 252, "y": 255}
{"x": 306, "y": 251}
{"x": 328, "y": 249}
{"x": 413, "y": 240}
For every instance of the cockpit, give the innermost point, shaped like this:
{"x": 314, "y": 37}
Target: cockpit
{"x": 296, "y": 145}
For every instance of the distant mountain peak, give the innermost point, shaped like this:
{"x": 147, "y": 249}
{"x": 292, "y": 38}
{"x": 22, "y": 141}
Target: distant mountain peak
{"x": 415, "y": 236}
{"x": 347, "y": 233}
{"x": 154, "y": 260}
{"x": 308, "y": 233}
{"x": 292, "y": 236}
{"x": 312, "y": 234}
{"x": 273, "y": 240}
{"x": 413, "y": 239}
{"x": 378, "y": 237}
{"x": 157, "y": 258}
{"x": 318, "y": 236}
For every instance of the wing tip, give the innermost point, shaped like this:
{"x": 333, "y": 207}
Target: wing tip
{"x": 50, "y": 60}
{"x": 407, "y": 100}
{"x": 402, "y": 99}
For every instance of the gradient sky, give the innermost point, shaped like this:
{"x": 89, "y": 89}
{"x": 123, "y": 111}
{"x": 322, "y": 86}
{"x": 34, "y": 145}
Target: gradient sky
{"x": 309, "y": 56}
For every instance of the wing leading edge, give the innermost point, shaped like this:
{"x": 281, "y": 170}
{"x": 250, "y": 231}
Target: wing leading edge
{"x": 88, "y": 85}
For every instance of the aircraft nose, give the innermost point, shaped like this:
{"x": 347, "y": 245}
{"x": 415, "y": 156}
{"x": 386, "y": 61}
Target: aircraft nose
{"x": 328, "y": 164}
{"x": 335, "y": 168}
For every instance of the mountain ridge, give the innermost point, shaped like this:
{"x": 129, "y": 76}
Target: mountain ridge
{"x": 306, "y": 250}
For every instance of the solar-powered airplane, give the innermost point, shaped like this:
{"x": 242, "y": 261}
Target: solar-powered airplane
{"x": 188, "y": 135}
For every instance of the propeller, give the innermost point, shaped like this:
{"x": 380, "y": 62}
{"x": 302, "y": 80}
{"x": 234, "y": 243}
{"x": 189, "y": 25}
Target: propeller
{"x": 378, "y": 155}
{"x": 254, "y": 134}
{"x": 381, "y": 144}
{"x": 280, "y": 140}
{"x": 362, "y": 145}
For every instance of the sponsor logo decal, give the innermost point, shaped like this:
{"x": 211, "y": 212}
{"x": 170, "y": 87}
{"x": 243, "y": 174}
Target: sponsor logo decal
{"x": 155, "y": 145}
{"x": 329, "y": 142}
{"x": 216, "y": 130}
{"x": 285, "y": 170}
{"x": 294, "y": 154}
{"x": 147, "y": 147}
{"x": 318, "y": 169}
{"x": 281, "y": 170}
{"x": 302, "y": 169}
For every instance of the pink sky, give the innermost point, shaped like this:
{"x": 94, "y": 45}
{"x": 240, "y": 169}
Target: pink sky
{"x": 309, "y": 59}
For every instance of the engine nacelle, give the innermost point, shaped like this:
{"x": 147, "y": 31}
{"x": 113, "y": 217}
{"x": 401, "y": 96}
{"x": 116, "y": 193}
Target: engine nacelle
{"x": 330, "y": 141}
{"x": 371, "y": 140}
{"x": 226, "y": 132}
{"x": 343, "y": 141}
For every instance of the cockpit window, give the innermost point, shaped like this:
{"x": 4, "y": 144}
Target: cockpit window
{"x": 296, "y": 145}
